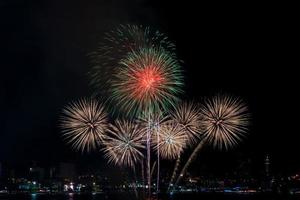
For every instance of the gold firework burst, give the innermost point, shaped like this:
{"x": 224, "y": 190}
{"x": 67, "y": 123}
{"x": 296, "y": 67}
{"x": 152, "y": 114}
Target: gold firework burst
{"x": 124, "y": 143}
{"x": 187, "y": 115}
{"x": 225, "y": 120}
{"x": 172, "y": 141}
{"x": 83, "y": 124}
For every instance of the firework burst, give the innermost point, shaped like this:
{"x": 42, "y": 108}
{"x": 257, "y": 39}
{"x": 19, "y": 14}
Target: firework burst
{"x": 149, "y": 79}
{"x": 225, "y": 121}
{"x": 172, "y": 141}
{"x": 124, "y": 143}
{"x": 187, "y": 115}
{"x": 117, "y": 44}
{"x": 83, "y": 124}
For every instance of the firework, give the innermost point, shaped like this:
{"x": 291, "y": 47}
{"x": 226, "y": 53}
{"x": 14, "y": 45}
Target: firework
{"x": 83, "y": 124}
{"x": 116, "y": 45}
{"x": 172, "y": 141}
{"x": 149, "y": 79}
{"x": 187, "y": 115}
{"x": 123, "y": 144}
{"x": 225, "y": 121}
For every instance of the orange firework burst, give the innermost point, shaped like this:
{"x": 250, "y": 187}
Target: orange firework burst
{"x": 149, "y": 79}
{"x": 225, "y": 121}
{"x": 83, "y": 124}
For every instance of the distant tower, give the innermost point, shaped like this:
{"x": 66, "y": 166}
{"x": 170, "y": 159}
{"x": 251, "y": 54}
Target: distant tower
{"x": 267, "y": 166}
{"x": 267, "y": 181}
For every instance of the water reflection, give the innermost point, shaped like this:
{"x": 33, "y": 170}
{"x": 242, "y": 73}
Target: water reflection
{"x": 33, "y": 196}
{"x": 73, "y": 196}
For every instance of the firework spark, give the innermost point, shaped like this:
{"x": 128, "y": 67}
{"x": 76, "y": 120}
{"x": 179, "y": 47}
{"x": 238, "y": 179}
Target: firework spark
{"x": 172, "y": 141}
{"x": 124, "y": 143}
{"x": 225, "y": 121}
{"x": 150, "y": 79}
{"x": 83, "y": 124}
{"x": 187, "y": 115}
{"x": 152, "y": 121}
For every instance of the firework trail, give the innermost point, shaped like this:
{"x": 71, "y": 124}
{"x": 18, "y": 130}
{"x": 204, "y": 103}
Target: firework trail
{"x": 158, "y": 159}
{"x": 83, "y": 124}
{"x": 153, "y": 122}
{"x": 171, "y": 183}
{"x": 225, "y": 120}
{"x": 153, "y": 168}
{"x": 149, "y": 156}
{"x": 189, "y": 161}
{"x": 151, "y": 126}
{"x": 124, "y": 144}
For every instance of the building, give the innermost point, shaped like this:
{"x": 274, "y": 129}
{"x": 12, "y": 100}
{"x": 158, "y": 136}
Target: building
{"x": 67, "y": 171}
{"x": 267, "y": 183}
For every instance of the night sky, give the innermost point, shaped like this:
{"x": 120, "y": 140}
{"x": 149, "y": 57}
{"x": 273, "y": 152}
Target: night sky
{"x": 244, "y": 50}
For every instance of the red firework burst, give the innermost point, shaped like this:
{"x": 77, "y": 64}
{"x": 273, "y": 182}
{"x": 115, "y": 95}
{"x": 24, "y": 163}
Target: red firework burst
{"x": 148, "y": 78}
{"x": 146, "y": 82}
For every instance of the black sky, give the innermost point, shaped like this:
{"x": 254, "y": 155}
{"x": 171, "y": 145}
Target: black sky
{"x": 244, "y": 50}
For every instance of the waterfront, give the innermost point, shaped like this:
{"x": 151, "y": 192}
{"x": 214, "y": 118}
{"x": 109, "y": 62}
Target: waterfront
{"x": 123, "y": 196}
